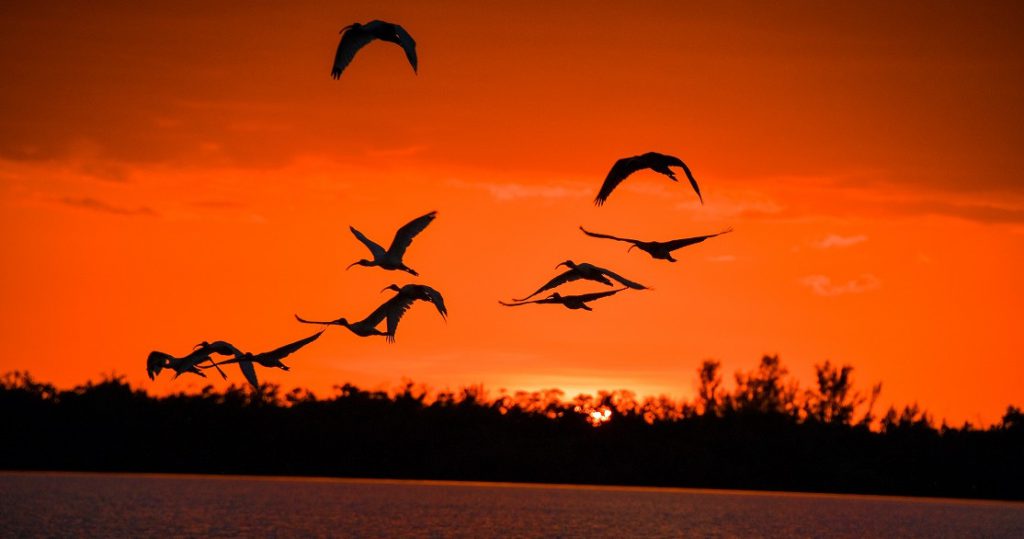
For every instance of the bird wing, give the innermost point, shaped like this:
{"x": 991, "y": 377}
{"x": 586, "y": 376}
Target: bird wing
{"x": 223, "y": 348}
{"x": 409, "y": 46}
{"x": 404, "y": 236}
{"x": 683, "y": 242}
{"x": 693, "y": 182}
{"x": 597, "y": 295}
{"x": 438, "y": 301}
{"x": 249, "y": 371}
{"x": 351, "y": 41}
{"x": 304, "y": 321}
{"x": 673, "y": 161}
{"x": 394, "y": 309}
{"x": 606, "y": 236}
{"x": 519, "y": 303}
{"x": 156, "y": 362}
{"x": 620, "y": 171}
{"x": 631, "y": 284}
{"x": 565, "y": 277}
{"x": 288, "y": 349}
{"x": 376, "y": 250}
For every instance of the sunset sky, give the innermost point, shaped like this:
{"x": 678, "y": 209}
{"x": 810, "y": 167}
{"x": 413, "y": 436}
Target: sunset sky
{"x": 174, "y": 172}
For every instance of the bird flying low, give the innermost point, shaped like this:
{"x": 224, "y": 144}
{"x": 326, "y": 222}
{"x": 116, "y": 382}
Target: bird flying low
{"x": 658, "y": 249}
{"x": 158, "y": 361}
{"x": 587, "y": 271}
{"x": 267, "y": 359}
{"x": 570, "y": 302}
{"x": 655, "y": 161}
{"x": 356, "y": 36}
{"x": 391, "y": 259}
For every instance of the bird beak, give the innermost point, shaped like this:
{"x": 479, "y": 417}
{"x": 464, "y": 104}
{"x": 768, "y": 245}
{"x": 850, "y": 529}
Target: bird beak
{"x": 631, "y": 247}
{"x": 560, "y": 265}
{"x": 352, "y": 264}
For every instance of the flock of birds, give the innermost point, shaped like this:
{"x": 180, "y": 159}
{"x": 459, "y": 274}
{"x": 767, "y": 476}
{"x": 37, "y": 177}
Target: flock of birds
{"x": 355, "y": 37}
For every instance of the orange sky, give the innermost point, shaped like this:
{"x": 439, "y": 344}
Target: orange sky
{"x": 179, "y": 173}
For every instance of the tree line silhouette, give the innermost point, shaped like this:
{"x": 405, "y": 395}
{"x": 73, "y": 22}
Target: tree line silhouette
{"x": 766, "y": 433}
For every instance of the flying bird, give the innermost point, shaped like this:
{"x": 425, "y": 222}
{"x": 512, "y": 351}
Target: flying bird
{"x": 571, "y": 302}
{"x": 658, "y": 249}
{"x": 158, "y": 361}
{"x": 396, "y": 307}
{"x": 586, "y": 271}
{"x": 366, "y": 327}
{"x": 356, "y": 36}
{"x": 655, "y": 161}
{"x": 267, "y": 359}
{"x": 391, "y": 259}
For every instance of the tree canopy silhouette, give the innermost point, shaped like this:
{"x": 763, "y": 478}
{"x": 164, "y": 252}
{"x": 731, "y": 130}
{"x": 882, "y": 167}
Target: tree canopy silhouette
{"x": 764, "y": 433}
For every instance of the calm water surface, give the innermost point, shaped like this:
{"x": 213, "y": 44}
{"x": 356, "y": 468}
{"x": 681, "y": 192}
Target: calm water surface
{"x": 92, "y": 505}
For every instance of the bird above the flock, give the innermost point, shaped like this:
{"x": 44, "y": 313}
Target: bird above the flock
{"x": 570, "y": 302}
{"x": 356, "y": 36}
{"x": 661, "y": 250}
{"x": 655, "y": 161}
{"x": 587, "y": 271}
{"x": 391, "y": 258}
{"x": 158, "y": 361}
{"x": 272, "y": 358}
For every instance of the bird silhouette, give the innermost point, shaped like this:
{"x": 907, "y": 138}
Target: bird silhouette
{"x": 586, "y": 271}
{"x": 571, "y": 302}
{"x": 396, "y": 307}
{"x": 356, "y": 36}
{"x": 267, "y": 359}
{"x": 366, "y": 327}
{"x": 391, "y": 259}
{"x": 655, "y": 161}
{"x": 158, "y": 361}
{"x": 658, "y": 249}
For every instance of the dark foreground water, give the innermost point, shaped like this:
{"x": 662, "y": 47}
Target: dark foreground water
{"x": 94, "y": 505}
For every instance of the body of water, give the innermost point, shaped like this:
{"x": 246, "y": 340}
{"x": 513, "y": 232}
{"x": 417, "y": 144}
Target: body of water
{"x": 125, "y": 505}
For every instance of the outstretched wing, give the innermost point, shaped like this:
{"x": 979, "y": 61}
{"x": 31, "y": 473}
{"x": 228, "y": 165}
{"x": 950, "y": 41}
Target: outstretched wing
{"x": 683, "y": 242}
{"x": 517, "y": 303}
{"x": 565, "y": 277}
{"x": 288, "y": 349}
{"x": 409, "y": 46}
{"x": 324, "y": 322}
{"x": 156, "y": 362}
{"x": 597, "y": 295}
{"x": 620, "y": 171}
{"x": 376, "y": 250}
{"x": 433, "y": 296}
{"x": 673, "y": 161}
{"x": 693, "y": 182}
{"x": 626, "y": 282}
{"x": 404, "y": 236}
{"x": 606, "y": 236}
{"x": 249, "y": 371}
{"x": 352, "y": 40}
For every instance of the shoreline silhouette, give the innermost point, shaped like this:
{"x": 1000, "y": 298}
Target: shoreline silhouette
{"x": 765, "y": 433}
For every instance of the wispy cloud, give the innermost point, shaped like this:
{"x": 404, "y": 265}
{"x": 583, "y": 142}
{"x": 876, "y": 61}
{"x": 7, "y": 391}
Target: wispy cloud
{"x": 90, "y": 203}
{"x": 823, "y": 285}
{"x": 514, "y": 191}
{"x": 836, "y": 240}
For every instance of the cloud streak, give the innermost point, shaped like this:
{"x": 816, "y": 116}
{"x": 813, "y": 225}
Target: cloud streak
{"x": 94, "y": 204}
{"x": 822, "y": 285}
{"x": 835, "y": 240}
